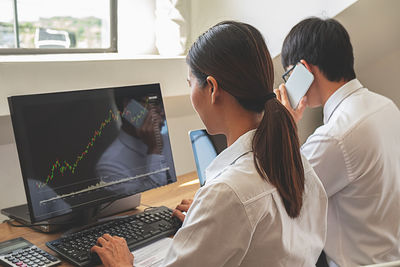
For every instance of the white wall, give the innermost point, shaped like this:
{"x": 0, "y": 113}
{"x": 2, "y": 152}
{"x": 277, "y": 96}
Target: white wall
{"x": 382, "y": 76}
{"x": 373, "y": 26}
{"x": 273, "y": 18}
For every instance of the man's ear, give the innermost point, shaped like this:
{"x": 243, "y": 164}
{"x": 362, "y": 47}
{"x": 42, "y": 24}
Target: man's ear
{"x": 305, "y": 63}
{"x": 214, "y": 89}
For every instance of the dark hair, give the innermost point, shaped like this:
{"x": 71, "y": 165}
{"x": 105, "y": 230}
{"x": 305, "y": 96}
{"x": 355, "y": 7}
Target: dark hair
{"x": 236, "y": 55}
{"x": 323, "y": 43}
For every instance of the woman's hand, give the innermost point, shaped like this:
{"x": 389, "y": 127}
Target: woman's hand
{"x": 113, "y": 251}
{"x": 297, "y": 113}
{"x": 183, "y": 207}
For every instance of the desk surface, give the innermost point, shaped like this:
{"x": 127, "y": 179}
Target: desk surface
{"x": 169, "y": 196}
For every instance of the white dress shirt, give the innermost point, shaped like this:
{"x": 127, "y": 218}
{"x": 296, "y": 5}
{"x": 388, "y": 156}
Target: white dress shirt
{"x": 356, "y": 154}
{"x": 238, "y": 219}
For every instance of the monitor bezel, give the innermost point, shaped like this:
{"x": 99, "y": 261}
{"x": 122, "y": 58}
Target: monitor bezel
{"x": 23, "y": 147}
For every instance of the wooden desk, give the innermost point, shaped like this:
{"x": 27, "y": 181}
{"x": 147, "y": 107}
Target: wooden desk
{"x": 169, "y": 196}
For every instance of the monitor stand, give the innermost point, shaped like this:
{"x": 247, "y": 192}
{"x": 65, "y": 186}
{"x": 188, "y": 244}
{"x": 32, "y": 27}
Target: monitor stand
{"x": 21, "y": 214}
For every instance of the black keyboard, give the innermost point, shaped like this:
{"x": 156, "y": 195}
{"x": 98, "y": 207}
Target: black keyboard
{"x": 138, "y": 230}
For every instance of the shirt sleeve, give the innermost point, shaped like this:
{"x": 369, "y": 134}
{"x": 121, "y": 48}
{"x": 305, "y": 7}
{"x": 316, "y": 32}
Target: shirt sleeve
{"x": 216, "y": 231}
{"x": 326, "y": 156}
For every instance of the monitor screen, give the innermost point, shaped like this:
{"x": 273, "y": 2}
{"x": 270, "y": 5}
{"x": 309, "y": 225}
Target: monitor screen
{"x": 87, "y": 147}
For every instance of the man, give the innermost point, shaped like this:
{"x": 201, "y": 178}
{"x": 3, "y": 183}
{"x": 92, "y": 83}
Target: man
{"x": 356, "y": 152}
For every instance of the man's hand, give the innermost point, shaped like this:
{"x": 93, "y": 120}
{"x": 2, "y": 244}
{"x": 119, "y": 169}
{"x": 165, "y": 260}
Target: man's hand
{"x": 113, "y": 251}
{"x": 183, "y": 207}
{"x": 297, "y": 113}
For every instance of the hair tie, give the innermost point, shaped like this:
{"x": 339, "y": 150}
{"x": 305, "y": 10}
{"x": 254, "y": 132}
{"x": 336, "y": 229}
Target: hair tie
{"x": 269, "y": 96}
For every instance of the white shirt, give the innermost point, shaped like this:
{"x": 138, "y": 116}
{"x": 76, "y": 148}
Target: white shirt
{"x": 238, "y": 219}
{"x": 356, "y": 154}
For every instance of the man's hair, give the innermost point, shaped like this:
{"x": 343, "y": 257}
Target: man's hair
{"x": 324, "y": 43}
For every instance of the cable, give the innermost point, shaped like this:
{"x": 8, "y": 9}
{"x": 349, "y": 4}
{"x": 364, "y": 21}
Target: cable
{"x": 148, "y": 207}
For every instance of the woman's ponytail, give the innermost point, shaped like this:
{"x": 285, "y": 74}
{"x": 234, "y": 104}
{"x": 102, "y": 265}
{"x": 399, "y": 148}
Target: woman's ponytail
{"x": 277, "y": 156}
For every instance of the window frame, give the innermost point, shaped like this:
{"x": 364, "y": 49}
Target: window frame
{"x": 35, "y": 51}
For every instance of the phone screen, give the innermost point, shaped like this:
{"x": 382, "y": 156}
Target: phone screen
{"x": 298, "y": 83}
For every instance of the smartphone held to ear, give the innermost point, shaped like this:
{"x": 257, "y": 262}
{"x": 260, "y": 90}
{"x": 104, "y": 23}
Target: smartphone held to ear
{"x": 298, "y": 83}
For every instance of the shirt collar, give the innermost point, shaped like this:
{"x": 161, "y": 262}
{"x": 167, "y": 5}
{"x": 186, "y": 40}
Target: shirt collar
{"x": 337, "y": 97}
{"x": 230, "y": 155}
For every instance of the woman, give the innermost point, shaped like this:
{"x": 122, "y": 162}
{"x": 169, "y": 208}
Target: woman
{"x": 262, "y": 204}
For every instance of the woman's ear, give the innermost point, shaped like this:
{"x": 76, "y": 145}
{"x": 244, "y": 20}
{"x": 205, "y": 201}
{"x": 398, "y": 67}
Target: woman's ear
{"x": 214, "y": 89}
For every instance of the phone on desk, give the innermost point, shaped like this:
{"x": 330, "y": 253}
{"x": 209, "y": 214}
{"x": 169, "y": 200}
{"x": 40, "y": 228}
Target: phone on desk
{"x": 298, "y": 84}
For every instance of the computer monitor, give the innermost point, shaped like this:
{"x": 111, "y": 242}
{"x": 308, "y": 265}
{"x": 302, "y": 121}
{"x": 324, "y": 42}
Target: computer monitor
{"x": 82, "y": 148}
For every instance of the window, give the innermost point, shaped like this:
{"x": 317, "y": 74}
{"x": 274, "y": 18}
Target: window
{"x": 58, "y": 26}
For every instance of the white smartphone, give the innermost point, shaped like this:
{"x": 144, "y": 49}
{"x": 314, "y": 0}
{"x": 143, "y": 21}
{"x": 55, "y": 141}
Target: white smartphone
{"x": 298, "y": 83}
